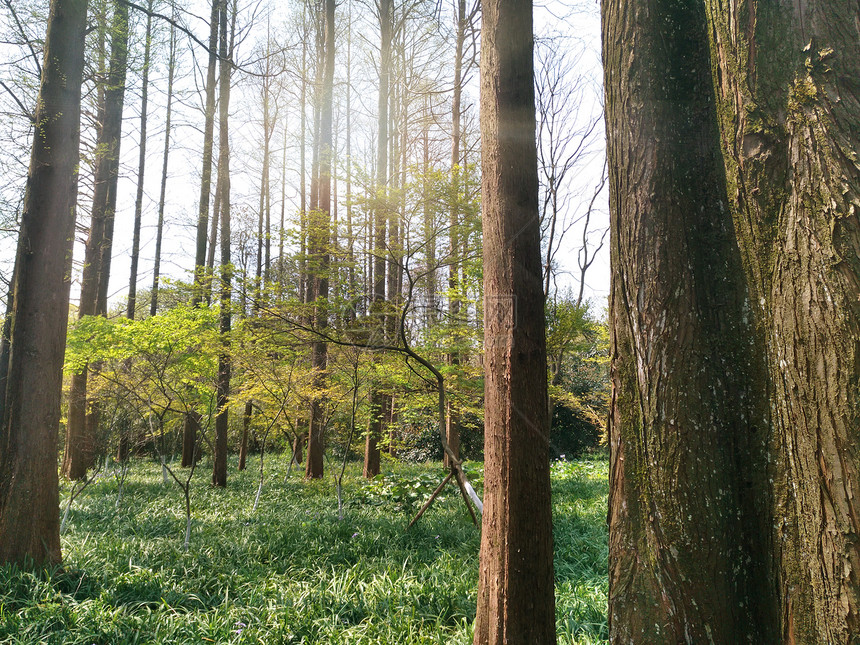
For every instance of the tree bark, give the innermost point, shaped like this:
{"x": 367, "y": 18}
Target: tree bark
{"x": 82, "y": 424}
{"x": 29, "y": 487}
{"x": 516, "y": 602}
{"x": 735, "y": 317}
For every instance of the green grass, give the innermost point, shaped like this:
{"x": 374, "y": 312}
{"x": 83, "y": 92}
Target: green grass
{"x": 293, "y": 572}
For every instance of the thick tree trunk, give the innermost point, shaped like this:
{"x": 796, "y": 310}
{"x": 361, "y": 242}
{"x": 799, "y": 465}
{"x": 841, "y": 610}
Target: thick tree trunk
{"x": 29, "y": 487}
{"x": 219, "y": 459}
{"x": 82, "y": 423}
{"x": 787, "y": 81}
{"x": 735, "y": 319}
{"x": 516, "y": 602}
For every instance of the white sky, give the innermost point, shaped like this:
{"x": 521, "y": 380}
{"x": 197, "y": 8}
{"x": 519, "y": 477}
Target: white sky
{"x": 581, "y": 27}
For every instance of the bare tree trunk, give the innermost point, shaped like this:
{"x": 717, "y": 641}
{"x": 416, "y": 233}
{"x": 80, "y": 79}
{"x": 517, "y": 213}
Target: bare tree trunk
{"x": 200, "y": 276}
{"x": 516, "y": 602}
{"x": 82, "y": 423}
{"x": 29, "y": 487}
{"x": 159, "y": 232}
{"x": 219, "y": 466}
{"x": 377, "y": 399}
{"x": 318, "y": 245}
{"x": 453, "y": 414}
{"x": 141, "y": 168}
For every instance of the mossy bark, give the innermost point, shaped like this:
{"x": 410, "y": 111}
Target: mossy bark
{"x": 735, "y": 310}
{"x": 788, "y": 85}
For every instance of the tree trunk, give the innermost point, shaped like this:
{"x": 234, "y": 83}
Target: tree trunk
{"x": 735, "y": 318}
{"x": 81, "y": 427}
{"x": 141, "y": 168}
{"x": 377, "y": 399}
{"x": 200, "y": 277}
{"x": 219, "y": 459}
{"x": 319, "y": 241}
{"x": 453, "y": 414}
{"x": 29, "y": 487}
{"x": 516, "y": 603}
{"x": 246, "y": 426}
{"x": 159, "y": 229}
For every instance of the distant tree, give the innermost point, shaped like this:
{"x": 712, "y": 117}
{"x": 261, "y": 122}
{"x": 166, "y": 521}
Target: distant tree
{"x": 319, "y": 243}
{"x": 29, "y": 486}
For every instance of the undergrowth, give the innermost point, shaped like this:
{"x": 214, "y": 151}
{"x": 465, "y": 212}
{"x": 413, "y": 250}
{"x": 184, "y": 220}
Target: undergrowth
{"x": 292, "y": 573}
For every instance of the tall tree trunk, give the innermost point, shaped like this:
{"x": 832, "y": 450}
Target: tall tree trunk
{"x": 219, "y": 461}
{"x": 159, "y": 228}
{"x": 141, "y": 168}
{"x": 203, "y": 288}
{"x": 318, "y": 246}
{"x": 516, "y": 602}
{"x": 200, "y": 275}
{"x": 81, "y": 426}
{"x": 735, "y": 318}
{"x": 453, "y": 414}
{"x": 678, "y": 390}
{"x": 377, "y": 399}
{"x": 29, "y": 487}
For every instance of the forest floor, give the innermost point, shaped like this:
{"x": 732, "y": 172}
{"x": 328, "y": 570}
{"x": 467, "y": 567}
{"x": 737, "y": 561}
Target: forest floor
{"x": 292, "y": 572}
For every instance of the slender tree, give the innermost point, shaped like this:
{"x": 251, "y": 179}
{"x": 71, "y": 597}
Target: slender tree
{"x": 377, "y": 398}
{"x": 29, "y": 486}
{"x": 219, "y": 461}
{"x": 159, "y": 227}
{"x": 516, "y": 602}
{"x": 82, "y": 424}
{"x": 319, "y": 243}
{"x": 141, "y": 166}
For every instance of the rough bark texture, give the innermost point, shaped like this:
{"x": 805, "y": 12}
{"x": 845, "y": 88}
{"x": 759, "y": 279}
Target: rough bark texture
{"x": 82, "y": 422}
{"x": 516, "y": 603}
{"x": 787, "y": 79}
{"x": 29, "y": 497}
{"x": 735, "y": 191}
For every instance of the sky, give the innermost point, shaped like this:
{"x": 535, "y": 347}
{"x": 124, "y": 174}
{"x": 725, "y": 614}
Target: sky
{"x": 577, "y": 29}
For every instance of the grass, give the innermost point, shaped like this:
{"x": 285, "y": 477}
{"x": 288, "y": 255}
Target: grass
{"x": 292, "y": 572}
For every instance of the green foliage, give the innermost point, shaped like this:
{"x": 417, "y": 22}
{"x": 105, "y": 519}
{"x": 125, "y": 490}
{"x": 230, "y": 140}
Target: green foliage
{"x": 292, "y": 573}
{"x": 407, "y": 489}
{"x": 578, "y": 361}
